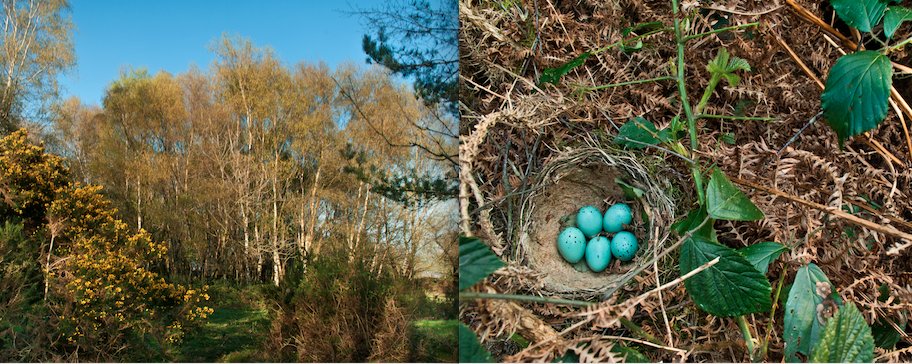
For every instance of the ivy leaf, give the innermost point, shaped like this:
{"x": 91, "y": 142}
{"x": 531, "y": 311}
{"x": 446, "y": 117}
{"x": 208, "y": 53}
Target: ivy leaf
{"x": 762, "y": 254}
{"x": 860, "y": 14}
{"x": 553, "y": 75}
{"x": 725, "y": 202}
{"x": 725, "y": 66}
{"x": 856, "y": 93}
{"x": 638, "y": 133}
{"x": 476, "y": 261}
{"x": 470, "y": 350}
{"x": 894, "y": 17}
{"x": 731, "y": 287}
{"x": 846, "y": 339}
{"x": 802, "y": 328}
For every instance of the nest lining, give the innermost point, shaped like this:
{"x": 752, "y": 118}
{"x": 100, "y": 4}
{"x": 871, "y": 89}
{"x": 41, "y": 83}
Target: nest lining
{"x": 587, "y": 176}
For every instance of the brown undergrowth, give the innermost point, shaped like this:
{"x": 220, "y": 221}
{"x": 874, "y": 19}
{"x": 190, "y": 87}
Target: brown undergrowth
{"x": 512, "y": 127}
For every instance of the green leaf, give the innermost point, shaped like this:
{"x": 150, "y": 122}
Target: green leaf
{"x": 802, "y": 327}
{"x": 553, "y": 75}
{"x": 762, "y": 254}
{"x": 630, "y": 192}
{"x": 860, "y": 14}
{"x": 894, "y": 17}
{"x": 846, "y": 339}
{"x": 476, "y": 261}
{"x": 885, "y": 336}
{"x": 731, "y": 287}
{"x": 470, "y": 350}
{"x": 693, "y": 219}
{"x": 638, "y": 133}
{"x": 725, "y": 202}
{"x": 725, "y": 66}
{"x": 857, "y": 92}
{"x": 631, "y": 355}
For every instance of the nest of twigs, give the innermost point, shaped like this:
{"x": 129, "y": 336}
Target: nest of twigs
{"x": 590, "y": 175}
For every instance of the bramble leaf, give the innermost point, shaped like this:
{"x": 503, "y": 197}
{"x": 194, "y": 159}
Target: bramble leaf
{"x": 553, "y": 75}
{"x": 476, "y": 261}
{"x": 762, "y": 254}
{"x": 802, "y": 327}
{"x": 894, "y": 17}
{"x": 725, "y": 202}
{"x": 857, "y": 91}
{"x": 470, "y": 350}
{"x": 639, "y": 133}
{"x": 860, "y": 14}
{"x": 846, "y": 339}
{"x": 731, "y": 287}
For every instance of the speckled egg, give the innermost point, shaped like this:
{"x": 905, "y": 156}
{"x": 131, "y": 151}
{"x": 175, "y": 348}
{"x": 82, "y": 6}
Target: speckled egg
{"x": 598, "y": 253}
{"x": 571, "y": 243}
{"x": 624, "y": 246}
{"x": 616, "y": 217}
{"x": 589, "y": 220}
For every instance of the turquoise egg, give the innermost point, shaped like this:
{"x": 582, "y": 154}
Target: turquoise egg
{"x": 598, "y": 253}
{"x": 624, "y": 246}
{"x": 616, "y": 217}
{"x": 571, "y": 244}
{"x": 589, "y": 220}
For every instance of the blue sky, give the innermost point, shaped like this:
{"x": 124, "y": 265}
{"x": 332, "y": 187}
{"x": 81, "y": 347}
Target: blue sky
{"x": 172, "y": 35}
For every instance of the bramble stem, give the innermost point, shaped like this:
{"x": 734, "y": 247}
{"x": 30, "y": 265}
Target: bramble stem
{"x": 636, "y": 329}
{"x": 682, "y": 90}
{"x": 720, "y": 30}
{"x": 524, "y": 298}
{"x": 748, "y": 339}
{"x": 628, "y": 83}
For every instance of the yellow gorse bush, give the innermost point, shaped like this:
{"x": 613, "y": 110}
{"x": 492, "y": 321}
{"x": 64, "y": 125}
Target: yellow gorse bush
{"x": 101, "y": 283}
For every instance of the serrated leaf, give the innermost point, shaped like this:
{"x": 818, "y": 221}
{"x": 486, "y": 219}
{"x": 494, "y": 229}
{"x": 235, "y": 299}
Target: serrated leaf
{"x": 802, "y": 328}
{"x": 846, "y": 339}
{"x": 476, "y": 261}
{"x": 725, "y": 66}
{"x": 731, "y": 287}
{"x": 857, "y": 92}
{"x": 860, "y": 14}
{"x": 894, "y": 17}
{"x": 470, "y": 350}
{"x": 553, "y": 75}
{"x": 638, "y": 133}
{"x": 726, "y": 202}
{"x": 762, "y": 254}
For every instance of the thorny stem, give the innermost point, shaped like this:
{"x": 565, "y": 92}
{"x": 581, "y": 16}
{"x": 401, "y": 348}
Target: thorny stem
{"x": 622, "y": 41}
{"x": 628, "y": 83}
{"x": 518, "y": 297}
{"x": 637, "y": 330}
{"x": 769, "y": 325}
{"x": 733, "y": 117}
{"x": 899, "y": 45}
{"x": 682, "y": 90}
{"x": 720, "y": 30}
{"x": 748, "y": 340}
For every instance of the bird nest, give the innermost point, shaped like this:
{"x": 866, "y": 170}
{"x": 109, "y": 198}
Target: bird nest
{"x": 592, "y": 176}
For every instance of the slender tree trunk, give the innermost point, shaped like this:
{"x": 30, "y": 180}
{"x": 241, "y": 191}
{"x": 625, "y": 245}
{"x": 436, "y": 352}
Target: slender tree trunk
{"x": 276, "y": 261}
{"x": 363, "y": 216}
{"x": 314, "y": 203}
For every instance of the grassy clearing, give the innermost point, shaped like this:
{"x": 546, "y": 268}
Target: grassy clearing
{"x": 435, "y": 341}
{"x": 233, "y": 333}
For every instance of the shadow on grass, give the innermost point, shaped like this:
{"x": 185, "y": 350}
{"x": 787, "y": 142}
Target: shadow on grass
{"x": 231, "y": 335}
{"x": 435, "y": 341}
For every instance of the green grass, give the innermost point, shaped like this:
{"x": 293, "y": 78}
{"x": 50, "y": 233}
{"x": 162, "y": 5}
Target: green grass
{"x": 436, "y": 341}
{"x": 232, "y": 334}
